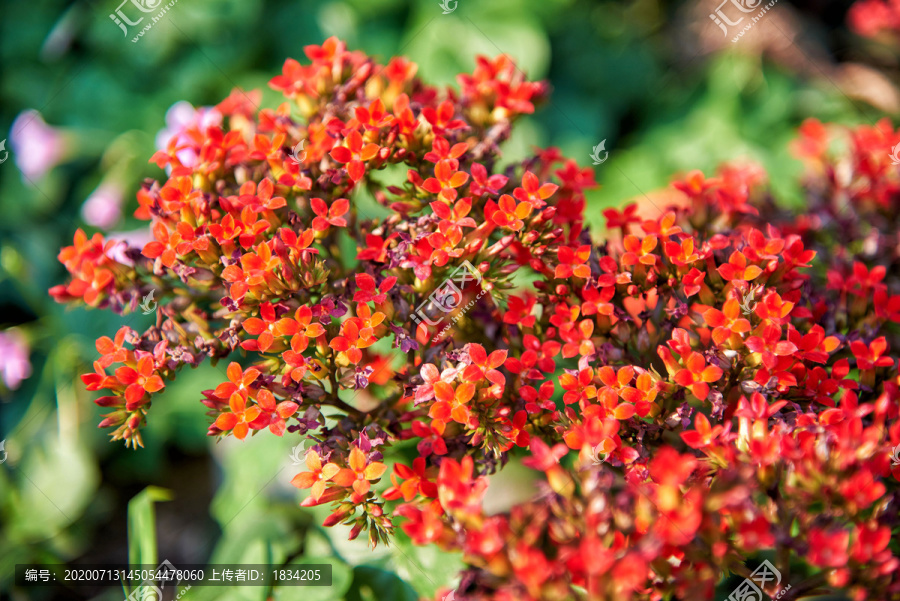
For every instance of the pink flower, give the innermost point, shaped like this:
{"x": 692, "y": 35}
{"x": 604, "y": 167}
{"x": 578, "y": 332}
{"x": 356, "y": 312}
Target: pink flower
{"x": 180, "y": 118}
{"x": 103, "y": 208}
{"x": 136, "y": 239}
{"x": 14, "y": 363}
{"x": 36, "y": 146}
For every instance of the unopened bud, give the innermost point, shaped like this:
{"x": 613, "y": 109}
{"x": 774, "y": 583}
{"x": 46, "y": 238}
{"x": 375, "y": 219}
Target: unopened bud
{"x": 336, "y": 517}
{"x": 109, "y": 401}
{"x": 356, "y": 530}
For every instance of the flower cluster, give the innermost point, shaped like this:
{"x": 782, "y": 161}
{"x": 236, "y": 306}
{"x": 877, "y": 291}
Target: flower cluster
{"x": 712, "y": 382}
{"x": 870, "y": 18}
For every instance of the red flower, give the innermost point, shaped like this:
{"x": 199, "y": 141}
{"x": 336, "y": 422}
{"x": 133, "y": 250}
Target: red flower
{"x": 533, "y": 192}
{"x": 770, "y": 345}
{"x": 871, "y": 356}
{"x": 416, "y": 482}
{"x": 374, "y": 117}
{"x": 425, "y": 524}
{"x": 112, "y": 351}
{"x": 573, "y": 262}
{"x": 482, "y": 184}
{"x": 702, "y": 435}
{"x": 357, "y": 333}
{"x": 441, "y": 119}
{"x": 484, "y": 365}
{"x": 682, "y": 254}
{"x": 326, "y": 215}
{"x": 616, "y": 219}
{"x": 870, "y": 542}
{"x": 432, "y": 437}
{"x": 828, "y": 548}
{"x": 367, "y": 290}
{"x": 140, "y": 382}
{"x": 519, "y": 310}
{"x": 271, "y": 414}
{"x": 458, "y": 491}
{"x": 375, "y": 250}
{"x": 355, "y": 155}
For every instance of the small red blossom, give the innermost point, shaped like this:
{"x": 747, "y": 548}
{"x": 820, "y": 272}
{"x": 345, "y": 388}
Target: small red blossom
{"x": 355, "y": 155}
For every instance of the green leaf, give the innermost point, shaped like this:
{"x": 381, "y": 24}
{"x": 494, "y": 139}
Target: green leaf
{"x": 58, "y": 481}
{"x": 426, "y": 568}
{"x": 371, "y": 584}
{"x": 142, "y": 525}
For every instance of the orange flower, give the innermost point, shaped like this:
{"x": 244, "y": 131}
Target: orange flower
{"x": 682, "y": 254}
{"x": 318, "y": 475}
{"x": 509, "y": 214}
{"x": 639, "y": 251}
{"x": 239, "y": 380}
{"x": 238, "y": 421}
{"x": 727, "y": 322}
{"x": 697, "y": 374}
{"x": 737, "y": 269}
{"x": 446, "y": 179}
{"x": 357, "y": 333}
{"x": 533, "y": 192}
{"x": 360, "y": 473}
{"x": 451, "y": 404}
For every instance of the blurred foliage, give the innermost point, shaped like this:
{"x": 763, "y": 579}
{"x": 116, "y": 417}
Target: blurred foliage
{"x": 64, "y": 489}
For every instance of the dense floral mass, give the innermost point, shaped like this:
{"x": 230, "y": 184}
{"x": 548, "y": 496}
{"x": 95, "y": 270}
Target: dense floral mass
{"x": 871, "y": 18}
{"x": 713, "y": 384}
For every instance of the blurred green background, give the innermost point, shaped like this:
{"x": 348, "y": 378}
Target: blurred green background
{"x": 656, "y": 81}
